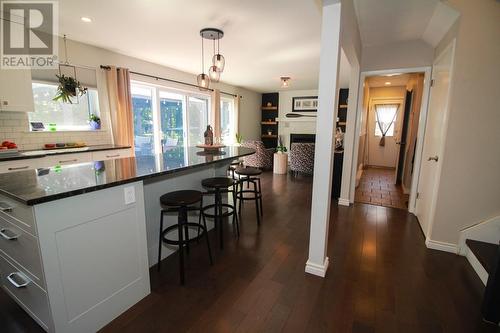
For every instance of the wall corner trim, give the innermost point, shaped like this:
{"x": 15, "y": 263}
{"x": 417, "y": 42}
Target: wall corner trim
{"x": 315, "y": 269}
{"x": 441, "y": 246}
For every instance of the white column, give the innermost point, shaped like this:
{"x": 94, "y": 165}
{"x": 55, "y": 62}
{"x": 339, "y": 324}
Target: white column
{"x": 317, "y": 263}
{"x": 348, "y": 171}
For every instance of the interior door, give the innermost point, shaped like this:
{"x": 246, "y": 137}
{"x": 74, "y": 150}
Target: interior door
{"x": 434, "y": 139}
{"x": 383, "y": 156}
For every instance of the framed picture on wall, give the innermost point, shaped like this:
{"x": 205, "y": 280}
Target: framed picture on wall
{"x": 305, "y": 104}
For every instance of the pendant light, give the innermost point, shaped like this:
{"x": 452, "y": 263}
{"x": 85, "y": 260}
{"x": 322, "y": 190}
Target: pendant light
{"x": 218, "y": 59}
{"x": 285, "y": 81}
{"x": 213, "y": 71}
{"x": 203, "y": 79}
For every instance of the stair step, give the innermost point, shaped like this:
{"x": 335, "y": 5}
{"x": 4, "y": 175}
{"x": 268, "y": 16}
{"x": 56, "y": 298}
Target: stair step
{"x": 486, "y": 253}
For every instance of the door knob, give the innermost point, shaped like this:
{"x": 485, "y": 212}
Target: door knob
{"x": 433, "y": 158}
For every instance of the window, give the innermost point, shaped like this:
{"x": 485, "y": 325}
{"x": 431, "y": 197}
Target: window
{"x": 66, "y": 117}
{"x": 385, "y": 118}
{"x": 166, "y": 118}
{"x": 227, "y": 120}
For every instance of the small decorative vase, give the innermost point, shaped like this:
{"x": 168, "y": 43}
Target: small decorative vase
{"x": 209, "y": 136}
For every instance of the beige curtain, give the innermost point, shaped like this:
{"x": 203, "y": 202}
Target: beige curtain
{"x": 216, "y": 112}
{"x": 237, "y": 100}
{"x": 120, "y": 106}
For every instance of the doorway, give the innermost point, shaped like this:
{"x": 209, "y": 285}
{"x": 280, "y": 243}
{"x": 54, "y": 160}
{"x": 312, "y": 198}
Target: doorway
{"x": 388, "y": 136}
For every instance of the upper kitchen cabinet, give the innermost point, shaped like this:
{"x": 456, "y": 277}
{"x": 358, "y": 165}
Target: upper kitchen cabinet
{"x": 15, "y": 90}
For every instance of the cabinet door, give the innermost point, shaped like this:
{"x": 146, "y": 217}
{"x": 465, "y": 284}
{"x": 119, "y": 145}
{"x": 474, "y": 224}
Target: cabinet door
{"x": 16, "y": 94}
{"x": 66, "y": 159}
{"x": 111, "y": 154}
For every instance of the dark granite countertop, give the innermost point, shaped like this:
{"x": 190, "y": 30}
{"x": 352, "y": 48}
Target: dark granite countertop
{"x": 33, "y": 187}
{"x": 26, "y": 154}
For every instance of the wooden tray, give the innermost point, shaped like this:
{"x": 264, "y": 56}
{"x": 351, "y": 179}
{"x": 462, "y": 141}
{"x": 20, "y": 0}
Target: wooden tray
{"x": 207, "y": 148}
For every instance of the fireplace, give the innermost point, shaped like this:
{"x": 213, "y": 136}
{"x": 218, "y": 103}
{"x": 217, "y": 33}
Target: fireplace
{"x": 302, "y": 138}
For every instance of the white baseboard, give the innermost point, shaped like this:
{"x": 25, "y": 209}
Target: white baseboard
{"x": 315, "y": 269}
{"x": 344, "y": 202}
{"x": 476, "y": 265}
{"x": 441, "y": 246}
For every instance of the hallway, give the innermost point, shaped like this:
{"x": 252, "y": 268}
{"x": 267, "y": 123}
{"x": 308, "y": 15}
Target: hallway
{"x": 377, "y": 187}
{"x": 381, "y": 278}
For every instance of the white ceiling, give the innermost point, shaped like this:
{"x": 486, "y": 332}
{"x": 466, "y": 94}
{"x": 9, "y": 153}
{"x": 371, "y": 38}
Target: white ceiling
{"x": 389, "y": 21}
{"x": 263, "y": 39}
{"x": 380, "y": 80}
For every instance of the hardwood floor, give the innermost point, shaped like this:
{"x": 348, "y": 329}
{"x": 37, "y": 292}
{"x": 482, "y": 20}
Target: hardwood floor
{"x": 377, "y": 187}
{"x": 381, "y": 277}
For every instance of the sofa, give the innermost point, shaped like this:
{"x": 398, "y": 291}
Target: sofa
{"x": 263, "y": 157}
{"x": 302, "y": 158}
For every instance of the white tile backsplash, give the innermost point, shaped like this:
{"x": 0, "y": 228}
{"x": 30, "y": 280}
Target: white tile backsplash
{"x": 14, "y": 126}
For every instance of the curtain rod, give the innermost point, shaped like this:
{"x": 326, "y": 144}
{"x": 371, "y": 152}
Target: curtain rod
{"x": 169, "y": 80}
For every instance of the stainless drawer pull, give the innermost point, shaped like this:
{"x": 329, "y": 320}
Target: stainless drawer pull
{"x": 24, "y": 281}
{"x": 109, "y": 156}
{"x": 4, "y": 233}
{"x": 19, "y": 168}
{"x": 5, "y": 207}
{"x": 67, "y": 161}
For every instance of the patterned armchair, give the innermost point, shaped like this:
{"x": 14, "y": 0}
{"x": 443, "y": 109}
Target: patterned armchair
{"x": 262, "y": 159}
{"x": 302, "y": 158}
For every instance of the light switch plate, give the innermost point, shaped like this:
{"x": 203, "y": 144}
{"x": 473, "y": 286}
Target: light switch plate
{"x": 129, "y": 195}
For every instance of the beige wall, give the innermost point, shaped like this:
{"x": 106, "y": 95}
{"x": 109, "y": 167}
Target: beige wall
{"x": 14, "y": 126}
{"x": 469, "y": 187}
{"x": 406, "y": 54}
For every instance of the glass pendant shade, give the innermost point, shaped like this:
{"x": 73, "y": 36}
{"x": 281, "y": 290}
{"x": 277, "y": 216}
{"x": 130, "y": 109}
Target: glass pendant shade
{"x": 214, "y": 74}
{"x": 203, "y": 82}
{"x": 219, "y": 62}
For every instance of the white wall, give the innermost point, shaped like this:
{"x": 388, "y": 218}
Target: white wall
{"x": 14, "y": 126}
{"x": 406, "y": 54}
{"x": 287, "y": 126}
{"x": 469, "y": 188}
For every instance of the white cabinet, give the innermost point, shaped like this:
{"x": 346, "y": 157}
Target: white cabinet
{"x": 16, "y": 94}
{"x": 65, "y": 159}
{"x": 20, "y": 165}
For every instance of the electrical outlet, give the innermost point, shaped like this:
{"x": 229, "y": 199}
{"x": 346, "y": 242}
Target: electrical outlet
{"x": 129, "y": 195}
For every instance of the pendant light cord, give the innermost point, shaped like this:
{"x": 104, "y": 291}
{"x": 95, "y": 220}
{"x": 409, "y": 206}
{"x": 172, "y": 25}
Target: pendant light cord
{"x": 65, "y": 50}
{"x": 202, "y": 58}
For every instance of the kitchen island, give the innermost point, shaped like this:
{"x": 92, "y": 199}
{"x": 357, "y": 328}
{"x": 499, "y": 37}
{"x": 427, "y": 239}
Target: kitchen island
{"x": 77, "y": 240}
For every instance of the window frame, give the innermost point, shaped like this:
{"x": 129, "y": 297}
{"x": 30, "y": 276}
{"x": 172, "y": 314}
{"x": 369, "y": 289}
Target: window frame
{"x": 73, "y": 128}
{"x": 232, "y": 118}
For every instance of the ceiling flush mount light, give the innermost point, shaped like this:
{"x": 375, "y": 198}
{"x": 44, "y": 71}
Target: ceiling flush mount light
{"x": 285, "y": 81}
{"x": 86, "y": 19}
{"x": 387, "y": 83}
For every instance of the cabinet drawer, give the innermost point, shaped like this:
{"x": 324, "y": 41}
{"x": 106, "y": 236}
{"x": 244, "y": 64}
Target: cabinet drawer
{"x": 18, "y": 214}
{"x": 20, "y": 165}
{"x": 111, "y": 154}
{"x": 66, "y": 159}
{"x": 27, "y": 294}
{"x": 22, "y": 248}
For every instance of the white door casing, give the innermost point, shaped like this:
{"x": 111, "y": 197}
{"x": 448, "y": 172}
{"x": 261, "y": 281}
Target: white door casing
{"x": 434, "y": 140}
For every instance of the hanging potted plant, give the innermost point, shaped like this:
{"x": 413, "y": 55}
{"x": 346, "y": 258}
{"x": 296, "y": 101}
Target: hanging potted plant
{"x": 68, "y": 88}
{"x": 94, "y": 122}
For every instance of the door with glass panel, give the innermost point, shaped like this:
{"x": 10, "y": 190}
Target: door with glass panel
{"x": 142, "y": 105}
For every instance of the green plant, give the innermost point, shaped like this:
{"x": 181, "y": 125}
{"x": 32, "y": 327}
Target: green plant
{"x": 239, "y": 138}
{"x": 68, "y": 88}
{"x": 281, "y": 149}
{"x": 95, "y": 118}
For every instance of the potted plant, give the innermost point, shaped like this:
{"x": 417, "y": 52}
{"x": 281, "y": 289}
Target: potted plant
{"x": 281, "y": 149}
{"x": 68, "y": 88}
{"x": 239, "y": 139}
{"x": 94, "y": 122}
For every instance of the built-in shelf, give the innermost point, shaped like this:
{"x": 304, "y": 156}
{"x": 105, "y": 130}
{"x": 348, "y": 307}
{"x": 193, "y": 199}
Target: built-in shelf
{"x": 270, "y": 108}
{"x": 269, "y": 122}
{"x": 343, "y": 106}
{"x": 267, "y": 136}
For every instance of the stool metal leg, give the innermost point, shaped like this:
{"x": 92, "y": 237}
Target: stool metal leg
{"x": 181, "y": 220}
{"x": 206, "y": 232}
{"x": 260, "y": 195}
{"x": 218, "y": 208}
{"x": 160, "y": 242}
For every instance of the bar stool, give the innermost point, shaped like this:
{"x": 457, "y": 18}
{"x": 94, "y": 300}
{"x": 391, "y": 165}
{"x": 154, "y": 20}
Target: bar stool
{"x": 182, "y": 202}
{"x": 218, "y": 186}
{"x": 249, "y": 175}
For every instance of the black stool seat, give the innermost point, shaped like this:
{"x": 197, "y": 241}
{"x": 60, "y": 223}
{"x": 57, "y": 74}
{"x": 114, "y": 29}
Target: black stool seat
{"x": 181, "y": 198}
{"x": 248, "y": 171}
{"x": 217, "y": 182}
